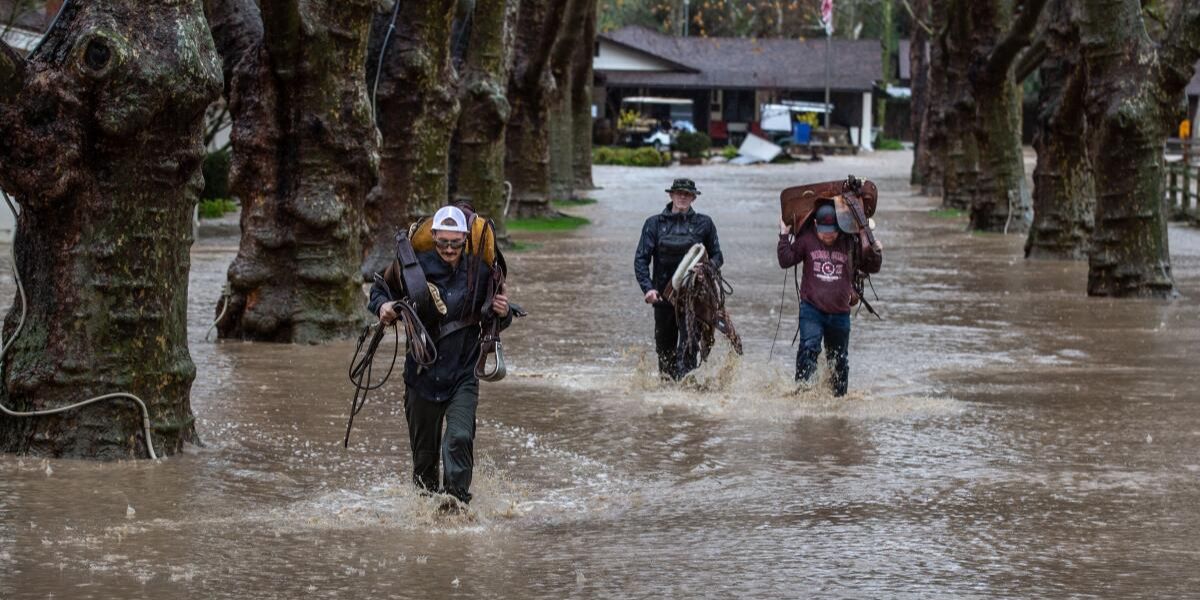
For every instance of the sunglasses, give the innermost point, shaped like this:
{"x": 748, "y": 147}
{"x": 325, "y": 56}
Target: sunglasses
{"x": 455, "y": 244}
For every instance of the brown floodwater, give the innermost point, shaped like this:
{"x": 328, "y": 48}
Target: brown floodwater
{"x": 1005, "y": 436}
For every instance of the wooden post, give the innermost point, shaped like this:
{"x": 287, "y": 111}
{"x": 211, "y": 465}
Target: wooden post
{"x": 1171, "y": 190}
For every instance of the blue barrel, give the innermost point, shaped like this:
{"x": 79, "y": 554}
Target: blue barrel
{"x": 801, "y": 133}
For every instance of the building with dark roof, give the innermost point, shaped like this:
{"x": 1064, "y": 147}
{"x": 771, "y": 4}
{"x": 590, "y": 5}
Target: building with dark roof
{"x": 728, "y": 80}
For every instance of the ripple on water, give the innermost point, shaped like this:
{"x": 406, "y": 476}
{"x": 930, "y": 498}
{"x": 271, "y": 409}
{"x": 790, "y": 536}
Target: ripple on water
{"x": 728, "y": 386}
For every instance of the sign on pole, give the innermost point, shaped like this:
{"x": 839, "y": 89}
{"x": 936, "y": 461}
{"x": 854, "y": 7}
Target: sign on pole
{"x": 827, "y": 16}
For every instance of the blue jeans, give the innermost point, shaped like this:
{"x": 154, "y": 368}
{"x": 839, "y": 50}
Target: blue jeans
{"x": 832, "y": 328}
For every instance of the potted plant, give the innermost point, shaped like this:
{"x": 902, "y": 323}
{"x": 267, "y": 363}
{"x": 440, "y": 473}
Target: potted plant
{"x": 693, "y": 144}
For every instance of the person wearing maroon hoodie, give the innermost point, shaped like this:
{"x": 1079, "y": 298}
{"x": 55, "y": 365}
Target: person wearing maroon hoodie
{"x": 826, "y": 255}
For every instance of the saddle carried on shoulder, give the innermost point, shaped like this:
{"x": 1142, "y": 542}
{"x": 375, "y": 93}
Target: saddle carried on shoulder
{"x": 481, "y": 249}
{"x": 854, "y": 200}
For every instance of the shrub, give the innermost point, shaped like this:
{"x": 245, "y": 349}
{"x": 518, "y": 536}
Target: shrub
{"x": 216, "y": 175}
{"x": 628, "y": 157}
{"x": 729, "y": 152}
{"x": 888, "y": 144}
{"x": 215, "y": 208}
{"x": 646, "y": 157}
{"x": 694, "y": 144}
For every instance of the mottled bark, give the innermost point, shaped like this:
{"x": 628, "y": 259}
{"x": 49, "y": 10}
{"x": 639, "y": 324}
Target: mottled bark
{"x": 1063, "y": 191}
{"x": 530, "y": 93}
{"x": 304, "y": 158}
{"x": 416, "y": 110}
{"x": 918, "y": 67}
{"x": 960, "y": 162}
{"x": 581, "y": 103}
{"x": 933, "y": 145}
{"x": 1132, "y": 86}
{"x": 102, "y": 132}
{"x": 485, "y": 108}
{"x": 562, "y": 119}
{"x": 1000, "y": 198}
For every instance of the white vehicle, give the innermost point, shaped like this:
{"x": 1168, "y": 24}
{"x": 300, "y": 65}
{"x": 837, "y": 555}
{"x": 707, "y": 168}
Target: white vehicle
{"x": 649, "y": 131}
{"x": 659, "y": 140}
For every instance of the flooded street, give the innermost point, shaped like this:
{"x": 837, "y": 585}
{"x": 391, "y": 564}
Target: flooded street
{"x": 1004, "y": 436}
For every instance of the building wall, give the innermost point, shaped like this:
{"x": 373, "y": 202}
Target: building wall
{"x": 618, "y": 58}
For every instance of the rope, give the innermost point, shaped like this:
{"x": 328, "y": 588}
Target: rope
{"x": 779, "y": 321}
{"x": 704, "y": 286}
{"x": 225, "y": 293}
{"x": 383, "y": 52}
{"x": 61, "y": 409}
{"x": 420, "y": 345}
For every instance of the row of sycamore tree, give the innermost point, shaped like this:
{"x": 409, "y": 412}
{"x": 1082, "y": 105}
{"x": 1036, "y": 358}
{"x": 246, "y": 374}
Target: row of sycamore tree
{"x": 1112, "y": 74}
{"x": 350, "y": 117}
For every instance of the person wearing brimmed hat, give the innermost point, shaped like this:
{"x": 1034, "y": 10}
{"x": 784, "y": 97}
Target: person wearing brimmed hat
{"x": 666, "y": 239}
{"x": 826, "y": 255}
{"x": 448, "y": 390}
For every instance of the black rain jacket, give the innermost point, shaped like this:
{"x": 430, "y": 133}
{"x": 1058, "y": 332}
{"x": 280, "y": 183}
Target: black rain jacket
{"x": 459, "y": 351}
{"x": 666, "y": 238}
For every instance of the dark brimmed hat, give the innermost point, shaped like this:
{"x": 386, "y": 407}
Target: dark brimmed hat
{"x": 684, "y": 185}
{"x": 826, "y": 219}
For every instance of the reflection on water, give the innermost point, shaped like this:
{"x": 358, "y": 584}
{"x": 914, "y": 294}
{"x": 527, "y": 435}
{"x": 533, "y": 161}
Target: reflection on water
{"x": 1003, "y": 437}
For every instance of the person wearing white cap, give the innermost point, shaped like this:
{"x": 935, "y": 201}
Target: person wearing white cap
{"x": 448, "y": 390}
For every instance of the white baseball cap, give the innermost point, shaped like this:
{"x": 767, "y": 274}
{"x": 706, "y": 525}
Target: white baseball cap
{"x": 457, "y": 220}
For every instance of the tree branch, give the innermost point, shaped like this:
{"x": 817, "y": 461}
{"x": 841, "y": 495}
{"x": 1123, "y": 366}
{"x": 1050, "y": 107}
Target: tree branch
{"x": 566, "y": 42}
{"x": 1181, "y": 48}
{"x": 549, "y": 30}
{"x": 236, "y": 28}
{"x": 12, "y": 71}
{"x": 921, "y": 23}
{"x": 1032, "y": 58}
{"x": 1005, "y": 52}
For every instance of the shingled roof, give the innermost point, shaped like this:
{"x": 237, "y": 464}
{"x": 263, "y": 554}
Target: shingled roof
{"x": 750, "y": 63}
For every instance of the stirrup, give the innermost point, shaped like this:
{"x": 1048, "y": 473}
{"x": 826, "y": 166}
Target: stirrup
{"x": 497, "y": 373}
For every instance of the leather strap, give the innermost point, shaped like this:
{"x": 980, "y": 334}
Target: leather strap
{"x": 413, "y": 279}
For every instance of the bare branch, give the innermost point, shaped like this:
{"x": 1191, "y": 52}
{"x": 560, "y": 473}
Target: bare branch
{"x": 1005, "y": 52}
{"x": 1032, "y": 58}
{"x": 921, "y": 23}
{"x": 12, "y": 71}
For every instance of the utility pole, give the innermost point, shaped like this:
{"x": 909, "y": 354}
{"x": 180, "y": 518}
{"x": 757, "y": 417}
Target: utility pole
{"x": 686, "y": 17}
{"x": 827, "y": 18}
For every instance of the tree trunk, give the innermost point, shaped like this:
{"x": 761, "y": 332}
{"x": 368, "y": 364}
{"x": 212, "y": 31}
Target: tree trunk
{"x": 531, "y": 92}
{"x": 1000, "y": 199}
{"x": 562, "y": 118}
{"x": 562, "y": 138}
{"x": 961, "y": 154}
{"x": 485, "y": 109}
{"x": 581, "y": 103}
{"x": 416, "y": 111}
{"x": 933, "y": 146}
{"x": 918, "y": 62}
{"x": 102, "y": 133}
{"x": 1132, "y": 86}
{"x": 1063, "y": 192}
{"x": 304, "y": 158}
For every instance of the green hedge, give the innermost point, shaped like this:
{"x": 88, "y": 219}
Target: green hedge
{"x": 630, "y": 157}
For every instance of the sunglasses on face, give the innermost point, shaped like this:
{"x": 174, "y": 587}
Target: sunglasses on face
{"x": 454, "y": 244}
